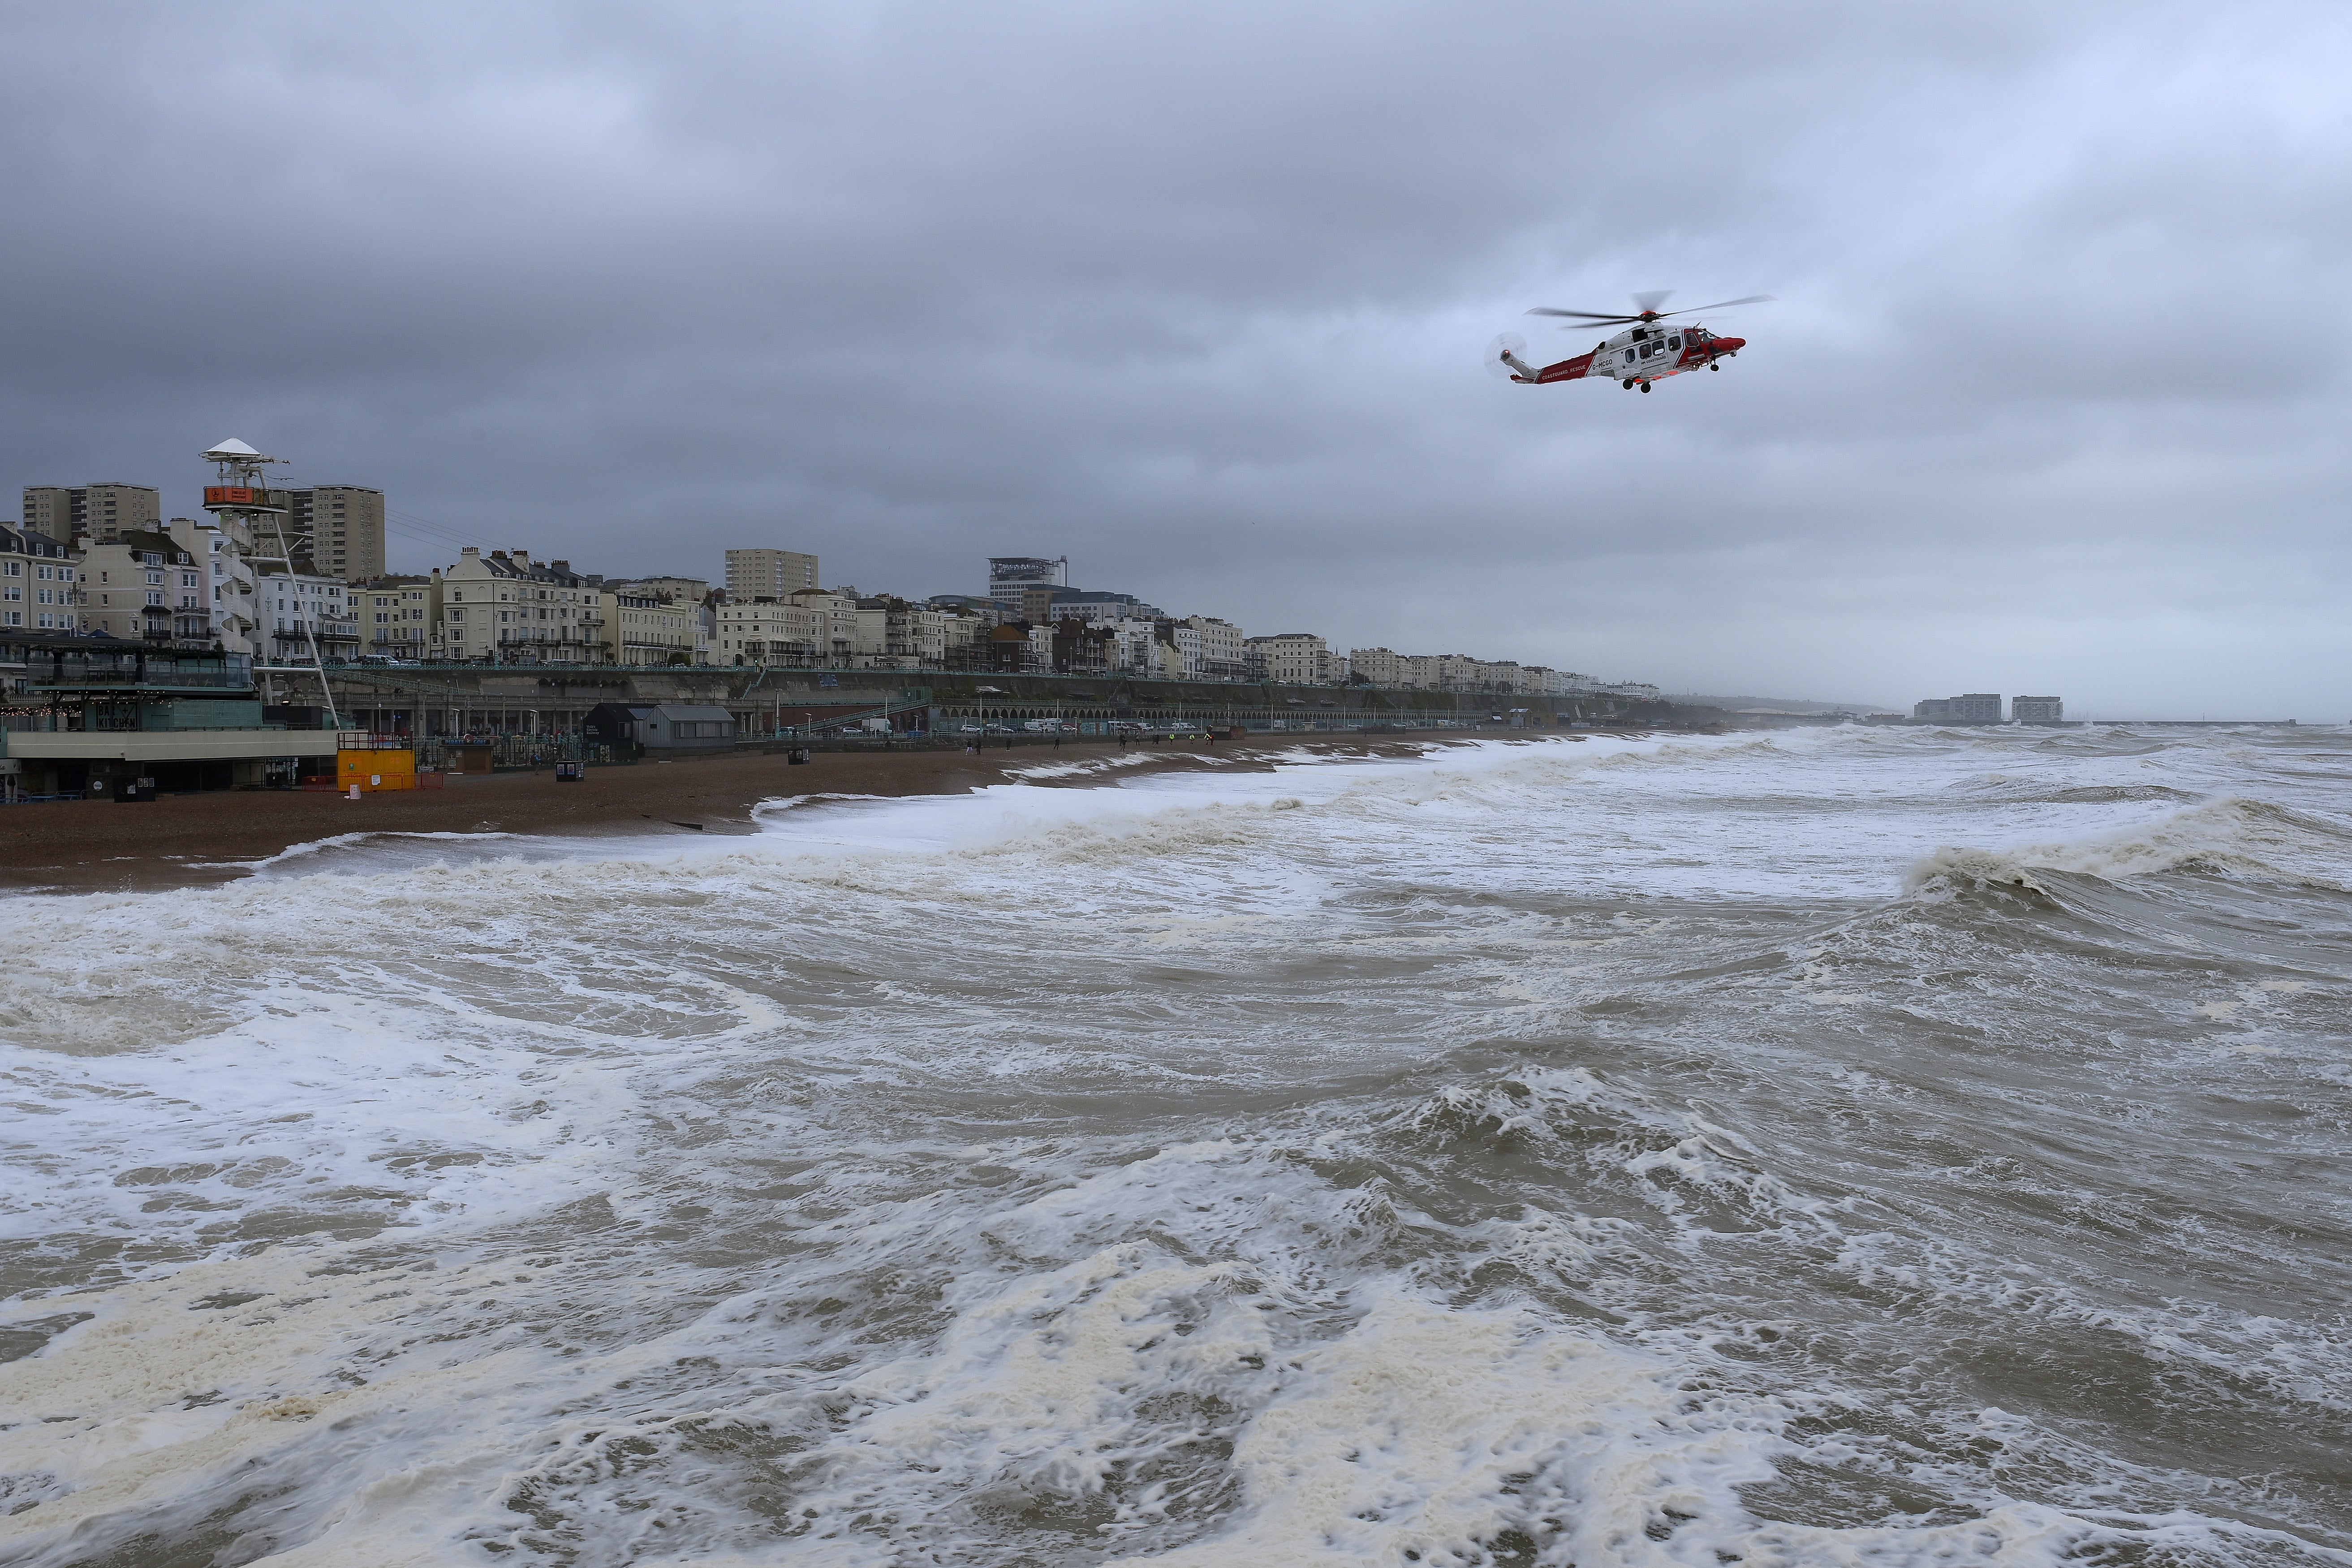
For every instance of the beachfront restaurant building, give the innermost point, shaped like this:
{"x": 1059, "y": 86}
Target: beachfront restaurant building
{"x": 79, "y": 714}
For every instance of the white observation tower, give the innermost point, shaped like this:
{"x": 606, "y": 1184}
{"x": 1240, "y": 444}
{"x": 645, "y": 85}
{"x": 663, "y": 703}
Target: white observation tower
{"x": 241, "y": 494}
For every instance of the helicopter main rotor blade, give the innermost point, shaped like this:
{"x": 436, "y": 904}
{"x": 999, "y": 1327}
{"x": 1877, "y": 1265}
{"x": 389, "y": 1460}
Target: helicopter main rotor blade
{"x": 1726, "y": 305}
{"x": 1652, "y": 300}
{"x": 1582, "y": 315}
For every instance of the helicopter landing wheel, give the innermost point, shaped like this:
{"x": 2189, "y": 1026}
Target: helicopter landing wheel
{"x": 1714, "y": 367}
{"x": 1645, "y": 386}
{"x": 1627, "y": 385}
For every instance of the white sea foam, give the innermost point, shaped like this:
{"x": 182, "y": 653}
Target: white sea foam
{"x": 2230, "y": 834}
{"x": 1390, "y": 1161}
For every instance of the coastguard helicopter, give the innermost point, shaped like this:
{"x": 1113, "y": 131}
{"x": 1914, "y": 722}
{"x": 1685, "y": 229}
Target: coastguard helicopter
{"x": 1644, "y": 353}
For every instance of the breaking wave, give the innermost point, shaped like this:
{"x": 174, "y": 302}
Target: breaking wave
{"x": 1553, "y": 1153}
{"x": 2232, "y": 836}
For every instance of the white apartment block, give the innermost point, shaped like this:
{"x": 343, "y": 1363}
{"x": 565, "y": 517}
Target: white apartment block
{"x": 895, "y": 635}
{"x": 811, "y": 627}
{"x": 503, "y": 609}
{"x": 1135, "y": 645}
{"x": 1186, "y": 639}
{"x": 305, "y": 614}
{"x": 648, "y": 630}
{"x": 749, "y": 632}
{"x": 1298, "y": 659}
{"x": 1460, "y": 672}
{"x": 1445, "y": 672}
{"x": 40, "y": 582}
{"x": 1224, "y": 651}
{"x": 829, "y": 624}
{"x": 196, "y": 583}
{"x": 818, "y": 630}
{"x": 142, "y": 585}
{"x": 690, "y": 597}
{"x": 222, "y": 546}
{"x": 396, "y": 616}
{"x": 1505, "y": 677}
{"x": 769, "y": 573}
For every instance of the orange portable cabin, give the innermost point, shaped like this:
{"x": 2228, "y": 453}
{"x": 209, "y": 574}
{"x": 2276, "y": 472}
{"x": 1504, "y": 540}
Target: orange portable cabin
{"x": 371, "y": 763}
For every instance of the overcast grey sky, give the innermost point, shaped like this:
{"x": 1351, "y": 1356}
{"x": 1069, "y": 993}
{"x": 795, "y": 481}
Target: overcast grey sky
{"x": 2052, "y": 399}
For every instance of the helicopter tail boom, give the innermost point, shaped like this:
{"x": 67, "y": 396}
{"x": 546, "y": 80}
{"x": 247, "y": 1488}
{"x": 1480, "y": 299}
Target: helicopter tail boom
{"x": 1566, "y": 370}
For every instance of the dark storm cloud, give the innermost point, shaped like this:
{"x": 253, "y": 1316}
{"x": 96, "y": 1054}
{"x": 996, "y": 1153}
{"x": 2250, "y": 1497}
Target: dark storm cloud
{"x": 2051, "y": 399}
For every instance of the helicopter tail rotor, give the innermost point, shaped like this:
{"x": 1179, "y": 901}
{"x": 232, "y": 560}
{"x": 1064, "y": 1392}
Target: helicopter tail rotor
{"x": 1507, "y": 347}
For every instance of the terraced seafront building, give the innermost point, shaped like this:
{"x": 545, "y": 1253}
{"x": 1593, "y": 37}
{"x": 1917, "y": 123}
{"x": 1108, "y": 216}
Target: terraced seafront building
{"x": 40, "y": 582}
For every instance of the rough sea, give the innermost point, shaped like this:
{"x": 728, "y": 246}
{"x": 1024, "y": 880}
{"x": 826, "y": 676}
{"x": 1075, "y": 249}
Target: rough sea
{"x": 1839, "y": 1146}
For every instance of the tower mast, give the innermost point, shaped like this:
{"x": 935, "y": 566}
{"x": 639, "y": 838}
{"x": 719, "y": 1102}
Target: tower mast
{"x": 241, "y": 493}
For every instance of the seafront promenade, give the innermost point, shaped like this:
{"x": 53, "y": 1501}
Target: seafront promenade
{"x": 461, "y": 699}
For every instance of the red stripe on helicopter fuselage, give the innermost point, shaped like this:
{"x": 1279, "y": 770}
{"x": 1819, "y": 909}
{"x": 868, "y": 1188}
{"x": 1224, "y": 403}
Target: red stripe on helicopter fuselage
{"x": 1566, "y": 370}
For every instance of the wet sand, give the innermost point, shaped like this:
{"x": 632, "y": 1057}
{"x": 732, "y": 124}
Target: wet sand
{"x": 197, "y": 840}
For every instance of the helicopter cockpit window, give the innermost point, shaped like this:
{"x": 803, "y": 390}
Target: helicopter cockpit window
{"x": 1674, "y": 342}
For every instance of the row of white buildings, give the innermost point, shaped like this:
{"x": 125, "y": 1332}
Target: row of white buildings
{"x": 816, "y": 628}
{"x": 210, "y": 584}
{"x": 207, "y": 583}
